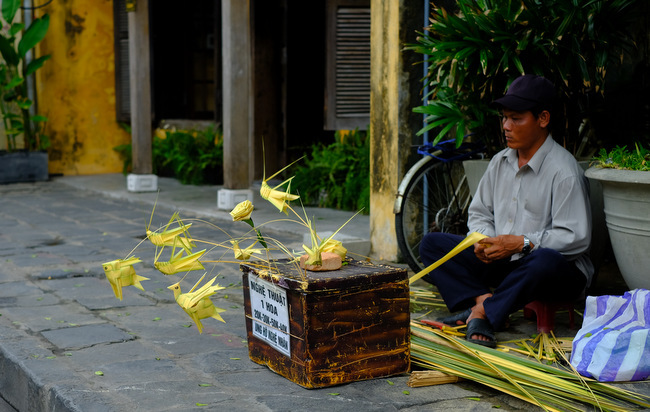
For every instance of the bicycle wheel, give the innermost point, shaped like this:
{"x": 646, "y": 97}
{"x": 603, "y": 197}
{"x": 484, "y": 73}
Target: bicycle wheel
{"x": 436, "y": 199}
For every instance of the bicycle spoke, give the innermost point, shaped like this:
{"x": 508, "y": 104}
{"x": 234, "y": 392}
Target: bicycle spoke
{"x": 436, "y": 200}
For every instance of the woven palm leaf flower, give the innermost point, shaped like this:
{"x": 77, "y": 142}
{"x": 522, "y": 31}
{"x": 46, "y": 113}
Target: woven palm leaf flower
{"x": 242, "y": 213}
{"x": 335, "y": 246}
{"x": 314, "y": 253}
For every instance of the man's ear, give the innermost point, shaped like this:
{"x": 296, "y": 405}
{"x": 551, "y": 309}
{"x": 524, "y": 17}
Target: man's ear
{"x": 544, "y": 118}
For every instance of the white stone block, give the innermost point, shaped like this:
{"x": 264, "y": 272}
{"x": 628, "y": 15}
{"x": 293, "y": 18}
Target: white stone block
{"x": 141, "y": 183}
{"x": 227, "y": 199}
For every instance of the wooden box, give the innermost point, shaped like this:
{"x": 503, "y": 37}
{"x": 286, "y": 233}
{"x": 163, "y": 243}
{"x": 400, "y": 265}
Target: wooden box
{"x": 320, "y": 329}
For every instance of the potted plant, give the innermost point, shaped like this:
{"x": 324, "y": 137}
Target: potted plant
{"x": 23, "y": 157}
{"x": 624, "y": 176}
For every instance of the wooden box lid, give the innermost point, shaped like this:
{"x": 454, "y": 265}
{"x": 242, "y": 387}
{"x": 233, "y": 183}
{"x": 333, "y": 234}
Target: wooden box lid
{"x": 353, "y": 273}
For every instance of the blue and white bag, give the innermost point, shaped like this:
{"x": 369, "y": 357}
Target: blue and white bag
{"x": 614, "y": 341}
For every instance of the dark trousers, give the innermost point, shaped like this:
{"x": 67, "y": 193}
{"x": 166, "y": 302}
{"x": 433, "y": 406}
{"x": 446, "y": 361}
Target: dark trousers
{"x": 544, "y": 274}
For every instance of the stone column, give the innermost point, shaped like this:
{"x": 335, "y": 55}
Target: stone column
{"x": 394, "y": 91}
{"x": 141, "y": 179}
{"x": 237, "y": 103}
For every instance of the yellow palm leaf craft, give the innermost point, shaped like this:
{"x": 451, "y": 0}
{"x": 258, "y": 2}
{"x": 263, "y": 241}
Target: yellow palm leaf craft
{"x": 178, "y": 236}
{"x": 197, "y": 304}
{"x": 120, "y": 273}
{"x": 244, "y": 254}
{"x": 314, "y": 253}
{"x": 179, "y": 263}
{"x": 277, "y": 197}
{"x": 464, "y": 244}
{"x": 335, "y": 246}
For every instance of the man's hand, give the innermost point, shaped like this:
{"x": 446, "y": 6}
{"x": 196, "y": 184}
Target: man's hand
{"x": 499, "y": 247}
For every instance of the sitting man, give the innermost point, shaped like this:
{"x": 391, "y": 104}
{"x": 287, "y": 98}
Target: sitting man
{"x": 533, "y": 204}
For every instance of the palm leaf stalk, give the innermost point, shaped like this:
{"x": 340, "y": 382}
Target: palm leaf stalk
{"x": 424, "y": 296}
{"x": 551, "y": 388}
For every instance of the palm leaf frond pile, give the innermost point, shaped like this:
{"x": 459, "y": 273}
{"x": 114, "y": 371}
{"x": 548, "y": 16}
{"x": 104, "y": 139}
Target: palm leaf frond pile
{"x": 425, "y": 297}
{"x": 548, "y": 387}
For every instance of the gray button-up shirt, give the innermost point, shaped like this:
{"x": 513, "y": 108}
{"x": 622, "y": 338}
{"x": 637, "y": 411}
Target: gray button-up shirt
{"x": 546, "y": 200}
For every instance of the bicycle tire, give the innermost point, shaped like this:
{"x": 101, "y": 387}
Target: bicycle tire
{"x": 441, "y": 212}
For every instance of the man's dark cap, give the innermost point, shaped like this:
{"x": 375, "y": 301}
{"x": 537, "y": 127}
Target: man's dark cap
{"x": 526, "y": 93}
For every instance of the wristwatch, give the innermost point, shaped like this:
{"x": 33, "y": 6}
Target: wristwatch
{"x": 526, "y": 249}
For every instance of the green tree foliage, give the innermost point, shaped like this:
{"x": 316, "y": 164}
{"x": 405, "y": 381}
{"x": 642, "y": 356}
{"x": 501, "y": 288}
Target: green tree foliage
{"x": 477, "y": 50}
{"x": 17, "y": 66}
{"x": 192, "y": 156}
{"x": 336, "y": 175}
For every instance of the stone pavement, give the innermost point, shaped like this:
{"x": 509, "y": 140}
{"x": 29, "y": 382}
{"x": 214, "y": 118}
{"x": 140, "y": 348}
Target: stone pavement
{"x": 67, "y": 344}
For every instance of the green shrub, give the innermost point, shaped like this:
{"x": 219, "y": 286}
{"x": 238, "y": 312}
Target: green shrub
{"x": 337, "y": 175}
{"x": 192, "y": 156}
{"x": 622, "y": 158}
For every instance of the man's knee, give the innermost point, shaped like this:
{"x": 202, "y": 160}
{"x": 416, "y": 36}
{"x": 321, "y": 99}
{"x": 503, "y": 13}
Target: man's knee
{"x": 548, "y": 258}
{"x": 544, "y": 264}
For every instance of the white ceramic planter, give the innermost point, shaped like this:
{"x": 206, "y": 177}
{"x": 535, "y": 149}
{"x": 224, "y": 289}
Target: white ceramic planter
{"x": 626, "y": 196}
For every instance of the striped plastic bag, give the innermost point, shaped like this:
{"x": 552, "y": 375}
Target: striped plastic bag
{"x": 614, "y": 341}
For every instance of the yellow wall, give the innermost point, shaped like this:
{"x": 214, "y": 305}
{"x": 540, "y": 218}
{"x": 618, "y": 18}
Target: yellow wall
{"x": 76, "y": 88}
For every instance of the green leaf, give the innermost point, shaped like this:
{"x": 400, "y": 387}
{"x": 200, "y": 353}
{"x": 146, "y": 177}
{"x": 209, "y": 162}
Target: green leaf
{"x": 24, "y": 103}
{"x": 16, "y": 81}
{"x": 8, "y": 52}
{"x": 406, "y": 392}
{"x": 38, "y": 118}
{"x": 205, "y": 384}
{"x": 9, "y": 9}
{"x": 36, "y": 64}
{"x": 33, "y": 35}
{"x": 99, "y": 373}
{"x": 201, "y": 404}
{"x": 334, "y": 393}
{"x": 15, "y": 28}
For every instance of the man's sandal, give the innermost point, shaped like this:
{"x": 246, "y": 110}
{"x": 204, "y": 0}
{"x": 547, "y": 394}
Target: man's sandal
{"x": 453, "y": 319}
{"x": 478, "y": 326}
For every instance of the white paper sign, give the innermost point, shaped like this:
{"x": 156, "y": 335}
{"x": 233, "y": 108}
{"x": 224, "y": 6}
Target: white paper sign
{"x": 270, "y": 311}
